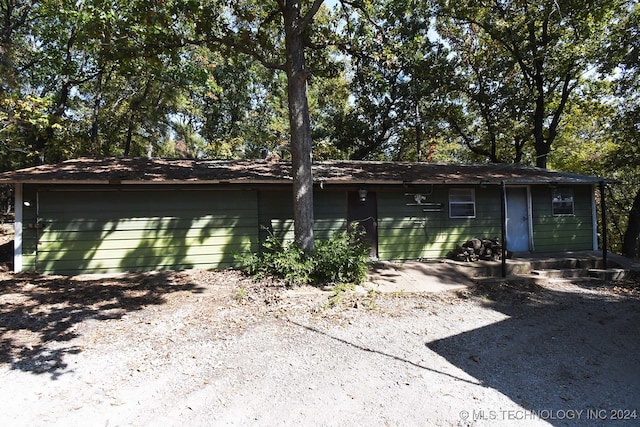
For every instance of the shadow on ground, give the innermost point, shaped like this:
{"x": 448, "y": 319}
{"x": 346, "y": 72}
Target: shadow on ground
{"x": 6, "y": 255}
{"x": 39, "y": 314}
{"x": 559, "y": 351}
{"x": 417, "y": 276}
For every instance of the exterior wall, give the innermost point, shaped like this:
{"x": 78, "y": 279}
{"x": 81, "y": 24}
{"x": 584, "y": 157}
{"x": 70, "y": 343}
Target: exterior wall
{"x": 139, "y": 229}
{"x": 17, "y": 227}
{"x": 408, "y": 231}
{"x": 276, "y": 213}
{"x": 89, "y": 229}
{"x": 29, "y": 230}
{"x": 404, "y": 230}
{"x": 567, "y": 232}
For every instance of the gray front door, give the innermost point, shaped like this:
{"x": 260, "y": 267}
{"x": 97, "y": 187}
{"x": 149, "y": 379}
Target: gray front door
{"x": 518, "y": 239}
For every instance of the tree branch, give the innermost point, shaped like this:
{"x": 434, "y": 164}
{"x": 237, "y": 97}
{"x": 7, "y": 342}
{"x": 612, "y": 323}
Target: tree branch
{"x": 566, "y": 90}
{"x": 242, "y": 47}
{"x": 308, "y": 17}
{"x": 467, "y": 141}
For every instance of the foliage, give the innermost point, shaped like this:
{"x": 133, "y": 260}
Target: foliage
{"x": 280, "y": 259}
{"x": 520, "y": 62}
{"x": 341, "y": 259}
{"x": 397, "y": 79}
{"x": 600, "y": 134}
{"x": 538, "y": 82}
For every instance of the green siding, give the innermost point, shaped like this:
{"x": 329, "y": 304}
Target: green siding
{"x": 29, "y": 232}
{"x": 276, "y": 214}
{"x": 134, "y": 230}
{"x": 562, "y": 233}
{"x": 406, "y": 231}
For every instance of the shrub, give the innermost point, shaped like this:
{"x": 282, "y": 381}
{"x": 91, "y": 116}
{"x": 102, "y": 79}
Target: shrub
{"x": 344, "y": 258}
{"x": 278, "y": 259}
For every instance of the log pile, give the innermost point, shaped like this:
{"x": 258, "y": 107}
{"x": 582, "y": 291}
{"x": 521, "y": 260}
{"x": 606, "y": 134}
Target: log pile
{"x": 478, "y": 249}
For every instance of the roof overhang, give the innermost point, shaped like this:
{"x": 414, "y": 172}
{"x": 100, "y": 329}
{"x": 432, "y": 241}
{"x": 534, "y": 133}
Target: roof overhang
{"x": 144, "y": 171}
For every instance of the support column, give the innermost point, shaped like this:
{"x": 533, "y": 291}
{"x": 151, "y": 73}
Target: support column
{"x": 603, "y": 209}
{"x": 594, "y": 218}
{"x": 503, "y": 214}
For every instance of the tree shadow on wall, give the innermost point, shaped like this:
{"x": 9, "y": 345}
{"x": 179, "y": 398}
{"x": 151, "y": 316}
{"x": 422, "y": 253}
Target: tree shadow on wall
{"x": 39, "y": 314}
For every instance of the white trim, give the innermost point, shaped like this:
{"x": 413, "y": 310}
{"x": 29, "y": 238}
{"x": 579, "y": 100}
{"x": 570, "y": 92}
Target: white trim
{"x": 473, "y": 202}
{"x": 594, "y": 216}
{"x": 17, "y": 237}
{"x": 573, "y": 201}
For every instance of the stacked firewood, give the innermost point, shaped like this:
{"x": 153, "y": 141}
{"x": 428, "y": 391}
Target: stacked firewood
{"x": 478, "y": 249}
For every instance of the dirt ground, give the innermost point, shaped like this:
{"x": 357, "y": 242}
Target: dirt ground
{"x": 215, "y": 348}
{"x": 6, "y": 247}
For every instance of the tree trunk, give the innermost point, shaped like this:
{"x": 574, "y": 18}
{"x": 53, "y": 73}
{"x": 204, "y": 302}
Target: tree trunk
{"x": 630, "y": 242}
{"x": 134, "y": 107}
{"x": 95, "y": 123}
{"x": 300, "y": 126}
{"x": 541, "y": 144}
{"x": 127, "y": 141}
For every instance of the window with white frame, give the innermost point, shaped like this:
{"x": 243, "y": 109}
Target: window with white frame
{"x": 562, "y": 201}
{"x": 462, "y": 203}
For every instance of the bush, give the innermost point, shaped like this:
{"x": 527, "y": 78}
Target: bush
{"x": 344, "y": 258}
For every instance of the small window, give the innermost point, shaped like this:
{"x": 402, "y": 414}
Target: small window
{"x": 562, "y": 202}
{"x": 462, "y": 203}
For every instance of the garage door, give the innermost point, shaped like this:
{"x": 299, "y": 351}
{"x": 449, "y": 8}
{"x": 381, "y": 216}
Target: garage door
{"x": 141, "y": 230}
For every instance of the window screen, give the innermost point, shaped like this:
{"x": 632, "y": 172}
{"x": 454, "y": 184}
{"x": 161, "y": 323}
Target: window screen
{"x": 562, "y": 202}
{"x": 462, "y": 203}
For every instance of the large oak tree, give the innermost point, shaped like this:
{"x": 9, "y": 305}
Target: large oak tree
{"x": 546, "y": 48}
{"x": 278, "y": 34}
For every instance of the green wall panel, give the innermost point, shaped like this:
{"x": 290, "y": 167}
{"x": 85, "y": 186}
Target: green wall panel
{"x": 276, "y": 214}
{"x": 29, "y": 230}
{"x": 135, "y": 230}
{"x": 567, "y": 232}
{"x": 407, "y": 231}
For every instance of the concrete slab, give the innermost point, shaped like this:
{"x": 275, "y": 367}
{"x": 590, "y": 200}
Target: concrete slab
{"x": 610, "y": 274}
{"x": 416, "y": 276}
{"x": 444, "y": 275}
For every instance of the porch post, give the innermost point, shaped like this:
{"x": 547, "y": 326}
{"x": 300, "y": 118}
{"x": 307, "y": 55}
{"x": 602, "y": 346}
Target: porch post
{"x": 17, "y": 227}
{"x": 503, "y": 213}
{"x": 594, "y": 218}
{"x": 603, "y": 208}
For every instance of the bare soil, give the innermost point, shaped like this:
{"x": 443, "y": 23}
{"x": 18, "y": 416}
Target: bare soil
{"x": 6, "y": 247}
{"x": 216, "y": 348}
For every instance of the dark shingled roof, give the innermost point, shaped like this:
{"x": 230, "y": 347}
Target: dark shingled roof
{"x": 165, "y": 171}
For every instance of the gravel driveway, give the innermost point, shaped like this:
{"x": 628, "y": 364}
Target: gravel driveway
{"x": 215, "y": 348}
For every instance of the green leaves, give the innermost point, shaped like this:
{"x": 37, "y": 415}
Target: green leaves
{"x": 342, "y": 259}
{"x": 18, "y": 118}
{"x": 387, "y": 78}
{"x": 522, "y": 61}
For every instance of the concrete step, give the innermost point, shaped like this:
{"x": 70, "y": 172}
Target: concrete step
{"x": 481, "y": 269}
{"x": 609, "y": 274}
{"x": 574, "y": 280}
{"x": 567, "y": 263}
{"x": 557, "y": 273}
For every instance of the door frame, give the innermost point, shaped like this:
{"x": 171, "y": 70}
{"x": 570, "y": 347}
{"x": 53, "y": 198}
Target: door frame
{"x": 529, "y": 213}
{"x": 372, "y": 202}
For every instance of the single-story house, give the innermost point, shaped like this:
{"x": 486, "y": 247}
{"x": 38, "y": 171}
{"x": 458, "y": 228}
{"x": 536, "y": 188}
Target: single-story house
{"x": 136, "y": 214}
